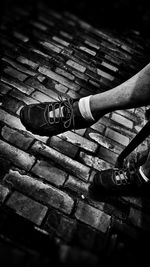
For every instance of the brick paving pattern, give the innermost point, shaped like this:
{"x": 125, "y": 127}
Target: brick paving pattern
{"x": 47, "y": 211}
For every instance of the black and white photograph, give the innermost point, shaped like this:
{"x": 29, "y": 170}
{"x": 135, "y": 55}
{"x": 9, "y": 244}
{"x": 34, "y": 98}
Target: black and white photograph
{"x": 74, "y": 133}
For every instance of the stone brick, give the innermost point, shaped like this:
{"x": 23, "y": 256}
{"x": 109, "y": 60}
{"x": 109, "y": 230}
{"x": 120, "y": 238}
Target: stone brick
{"x": 122, "y": 120}
{"x": 84, "y": 25}
{"x": 22, "y": 11}
{"x": 80, "y": 75}
{"x": 67, "y": 52}
{"x": 82, "y": 58}
{"x": 4, "y": 89}
{"x": 70, "y": 165}
{"x": 93, "y": 217}
{"x": 42, "y": 97}
{"x": 84, "y": 236}
{"x": 65, "y": 73}
{"x": 137, "y": 128}
{"x": 4, "y": 166}
{"x": 118, "y": 210}
{"x": 94, "y": 76}
{"x": 15, "y": 73}
{"x": 63, "y": 146}
{"x": 22, "y": 141}
{"x": 79, "y": 141}
{"x": 51, "y": 46}
{"x": 45, "y": 20}
{"x": 9, "y": 52}
{"x": 22, "y": 97}
{"x": 18, "y": 85}
{"x": 40, "y": 87}
{"x": 60, "y": 41}
{"x": 113, "y": 59}
{"x": 113, "y": 49}
{"x": 105, "y": 75}
{"x": 42, "y": 192}
{"x": 83, "y": 92}
{"x": 77, "y": 186}
{"x": 128, "y": 49}
{"x": 125, "y": 229}
{"x": 21, "y": 36}
{"x": 62, "y": 225}
{"x": 139, "y": 219}
{"x": 27, "y": 208}
{"x": 11, "y": 120}
{"x": 108, "y": 123}
{"x": 92, "y": 43}
{"x": 4, "y": 192}
{"x": 80, "y": 131}
{"x": 94, "y": 162}
{"x": 87, "y": 50}
{"x": 77, "y": 256}
{"x": 96, "y": 84}
{"x": 59, "y": 78}
{"x": 11, "y": 104}
{"x": 41, "y": 78}
{"x": 49, "y": 173}
{"x": 98, "y": 127}
{"x": 73, "y": 94}
{"x": 40, "y": 53}
{"x": 104, "y": 141}
{"x": 52, "y": 222}
{"x": 66, "y": 35}
{"x": 130, "y": 114}
{"x": 76, "y": 65}
{"x": 124, "y": 140}
{"x": 38, "y": 25}
{"x": 27, "y": 62}
{"x": 106, "y": 84}
{"x": 15, "y": 122}
{"x": 109, "y": 66}
{"x": 137, "y": 201}
{"x": 66, "y": 228}
{"x": 61, "y": 88}
{"x": 19, "y": 67}
{"x": 107, "y": 155}
{"x": 17, "y": 156}
{"x": 7, "y": 43}
{"x": 84, "y": 85}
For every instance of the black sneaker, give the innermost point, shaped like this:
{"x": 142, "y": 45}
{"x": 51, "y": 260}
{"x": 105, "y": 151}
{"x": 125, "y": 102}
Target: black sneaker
{"x": 119, "y": 179}
{"x": 36, "y": 118}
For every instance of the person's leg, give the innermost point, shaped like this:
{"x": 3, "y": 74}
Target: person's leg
{"x": 54, "y": 118}
{"x": 135, "y": 174}
{"x": 134, "y": 92}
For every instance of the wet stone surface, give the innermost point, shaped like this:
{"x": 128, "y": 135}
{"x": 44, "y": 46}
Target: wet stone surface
{"x": 48, "y": 212}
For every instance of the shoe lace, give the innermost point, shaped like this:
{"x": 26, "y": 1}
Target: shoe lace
{"x": 124, "y": 176}
{"x": 67, "y": 103}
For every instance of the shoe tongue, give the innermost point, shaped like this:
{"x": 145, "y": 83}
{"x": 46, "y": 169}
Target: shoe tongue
{"x": 66, "y": 112}
{"x": 58, "y": 114}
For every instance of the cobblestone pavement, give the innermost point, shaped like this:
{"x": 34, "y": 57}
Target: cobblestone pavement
{"x": 47, "y": 212}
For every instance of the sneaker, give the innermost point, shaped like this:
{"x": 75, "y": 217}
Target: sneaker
{"x": 116, "y": 179}
{"x": 36, "y": 117}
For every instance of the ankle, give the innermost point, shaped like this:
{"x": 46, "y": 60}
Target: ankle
{"x": 96, "y": 111}
{"x": 76, "y": 109}
{"x": 85, "y": 108}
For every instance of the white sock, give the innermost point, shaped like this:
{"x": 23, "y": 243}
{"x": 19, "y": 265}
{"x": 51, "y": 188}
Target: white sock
{"x": 143, "y": 175}
{"x": 85, "y": 110}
